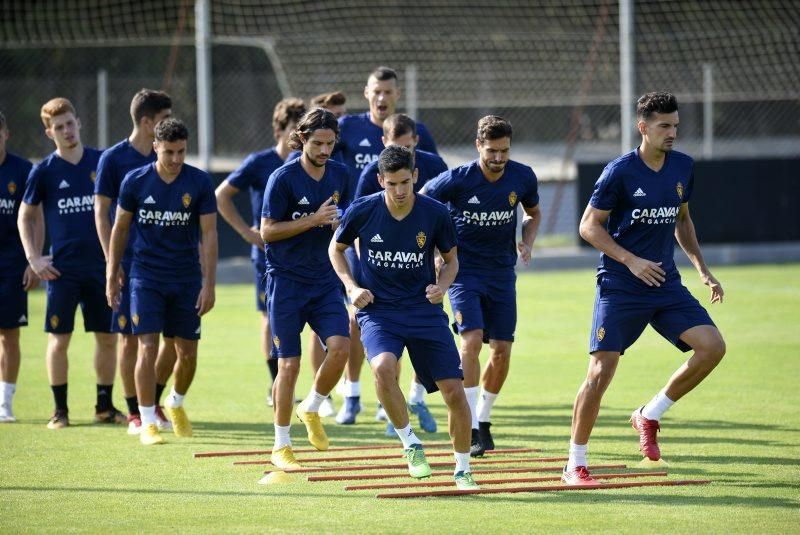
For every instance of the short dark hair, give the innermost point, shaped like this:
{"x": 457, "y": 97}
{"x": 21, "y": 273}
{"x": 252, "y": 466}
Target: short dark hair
{"x": 655, "y": 102}
{"x": 288, "y": 110}
{"x": 316, "y": 119}
{"x": 399, "y": 124}
{"x": 171, "y": 130}
{"x": 493, "y": 127}
{"x": 383, "y": 73}
{"x": 148, "y": 103}
{"x": 336, "y": 98}
{"x": 394, "y": 158}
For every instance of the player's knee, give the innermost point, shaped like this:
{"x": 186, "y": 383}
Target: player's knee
{"x": 289, "y": 366}
{"x": 58, "y": 343}
{"x": 9, "y": 337}
{"x": 712, "y": 350}
{"x": 385, "y": 374}
{"x": 471, "y": 343}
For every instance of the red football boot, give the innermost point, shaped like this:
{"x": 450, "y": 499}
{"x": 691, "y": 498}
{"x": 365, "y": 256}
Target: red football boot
{"x": 647, "y": 429}
{"x": 578, "y": 477}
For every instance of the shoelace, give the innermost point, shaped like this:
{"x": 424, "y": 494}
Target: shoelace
{"x": 416, "y": 456}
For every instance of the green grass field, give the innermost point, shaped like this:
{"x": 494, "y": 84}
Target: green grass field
{"x": 740, "y": 429}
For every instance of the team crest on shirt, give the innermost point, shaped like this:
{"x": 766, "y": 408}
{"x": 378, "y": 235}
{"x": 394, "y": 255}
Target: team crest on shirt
{"x": 679, "y": 188}
{"x": 135, "y": 319}
{"x": 187, "y": 200}
{"x": 335, "y": 197}
{"x": 12, "y": 187}
{"x": 459, "y": 317}
{"x": 512, "y": 198}
{"x": 276, "y": 342}
{"x": 54, "y": 321}
{"x": 421, "y": 239}
{"x": 262, "y": 297}
{"x": 122, "y": 321}
{"x": 601, "y": 333}
{"x": 93, "y": 176}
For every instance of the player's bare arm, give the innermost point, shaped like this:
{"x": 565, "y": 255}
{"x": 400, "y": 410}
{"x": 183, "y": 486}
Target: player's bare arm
{"x": 225, "y": 193}
{"x": 687, "y": 239}
{"x": 530, "y": 229}
{"x": 360, "y": 297}
{"x": 593, "y": 230}
{"x": 102, "y": 222}
{"x": 208, "y": 263}
{"x": 116, "y": 247}
{"x": 31, "y": 232}
{"x": 272, "y": 230}
{"x": 447, "y": 274}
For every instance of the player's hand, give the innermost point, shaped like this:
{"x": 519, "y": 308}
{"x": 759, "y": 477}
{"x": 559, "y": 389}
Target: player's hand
{"x": 717, "y": 293}
{"x": 112, "y": 293}
{"x": 524, "y": 252}
{"x": 206, "y": 299}
{"x": 360, "y": 297}
{"x": 434, "y": 293}
{"x": 327, "y": 214}
{"x": 44, "y": 268}
{"x": 252, "y": 236}
{"x": 29, "y": 279}
{"x": 649, "y": 272}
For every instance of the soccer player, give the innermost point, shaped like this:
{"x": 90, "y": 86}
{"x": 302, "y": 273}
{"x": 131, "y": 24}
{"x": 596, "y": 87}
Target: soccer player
{"x": 334, "y": 102}
{"x": 399, "y": 298}
{"x": 360, "y": 144}
{"x": 148, "y": 107}
{"x": 398, "y": 129}
{"x": 171, "y": 287}
{"x": 641, "y": 201}
{"x": 253, "y": 175}
{"x": 483, "y": 196}
{"x": 59, "y": 197}
{"x": 301, "y": 209}
{"x": 16, "y": 276}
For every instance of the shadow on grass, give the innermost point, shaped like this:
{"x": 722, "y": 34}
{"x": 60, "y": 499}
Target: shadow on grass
{"x": 671, "y": 500}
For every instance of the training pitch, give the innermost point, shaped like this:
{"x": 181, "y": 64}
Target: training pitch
{"x": 739, "y": 430}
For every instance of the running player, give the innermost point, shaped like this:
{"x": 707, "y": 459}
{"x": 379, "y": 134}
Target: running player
{"x": 59, "y": 197}
{"x": 171, "y": 287}
{"x": 253, "y": 175}
{"x": 301, "y": 205}
{"x": 640, "y": 202}
{"x": 483, "y": 196}
{"x": 16, "y": 276}
{"x": 399, "y": 298}
{"x": 398, "y": 129}
{"x": 148, "y": 107}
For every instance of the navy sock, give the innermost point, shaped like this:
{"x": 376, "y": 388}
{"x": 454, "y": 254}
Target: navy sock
{"x": 60, "y": 397}
{"x": 133, "y": 405}
{"x": 104, "y": 398}
{"x": 159, "y": 390}
{"x": 272, "y": 364}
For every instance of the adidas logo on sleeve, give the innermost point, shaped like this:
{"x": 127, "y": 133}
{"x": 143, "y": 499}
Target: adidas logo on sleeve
{"x": 473, "y": 200}
{"x": 149, "y": 200}
{"x": 376, "y": 239}
{"x": 639, "y": 193}
{"x": 64, "y": 185}
{"x": 303, "y": 201}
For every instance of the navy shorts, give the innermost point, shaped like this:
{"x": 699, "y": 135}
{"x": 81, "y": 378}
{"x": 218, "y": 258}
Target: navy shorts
{"x": 485, "y": 302}
{"x": 424, "y": 332}
{"x": 67, "y": 292}
{"x": 168, "y": 308}
{"x": 260, "y": 279}
{"x": 294, "y": 304}
{"x": 621, "y": 315}
{"x": 14, "y": 299}
{"x": 121, "y": 318}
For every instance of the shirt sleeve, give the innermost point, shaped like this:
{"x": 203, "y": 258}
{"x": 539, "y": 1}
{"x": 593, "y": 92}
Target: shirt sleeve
{"x": 440, "y": 188}
{"x": 605, "y": 194}
{"x": 687, "y": 191}
{"x": 207, "y": 203}
{"x": 244, "y": 176}
{"x": 127, "y": 198}
{"x": 368, "y": 182}
{"x": 531, "y": 196}
{"x": 104, "y": 183}
{"x": 349, "y": 227}
{"x": 445, "y": 232}
{"x": 276, "y": 198}
{"x": 34, "y": 187}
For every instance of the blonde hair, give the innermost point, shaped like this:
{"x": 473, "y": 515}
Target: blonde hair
{"x": 55, "y": 107}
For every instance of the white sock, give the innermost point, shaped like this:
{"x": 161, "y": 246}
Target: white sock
{"x": 175, "y": 400}
{"x": 485, "y": 403}
{"x": 472, "y": 399}
{"x": 462, "y": 462}
{"x": 657, "y": 407}
{"x": 352, "y": 389}
{"x": 313, "y": 401}
{"x": 407, "y": 436}
{"x": 281, "y": 437}
{"x": 148, "y": 415}
{"x": 416, "y": 393}
{"x": 7, "y": 391}
{"x": 577, "y": 455}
